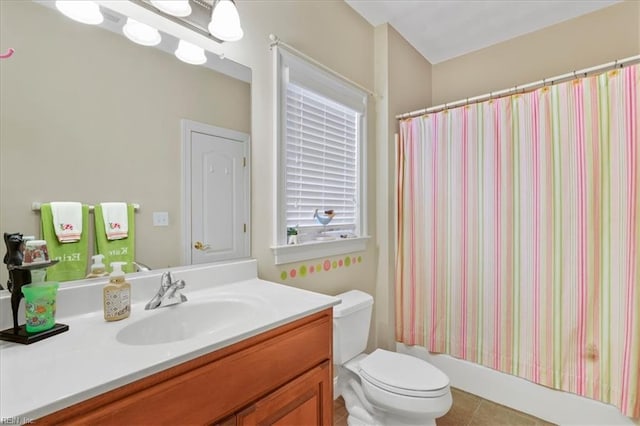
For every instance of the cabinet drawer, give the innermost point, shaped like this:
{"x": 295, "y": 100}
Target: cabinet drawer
{"x": 213, "y": 386}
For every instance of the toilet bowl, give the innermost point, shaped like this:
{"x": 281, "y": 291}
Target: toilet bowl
{"x": 382, "y": 388}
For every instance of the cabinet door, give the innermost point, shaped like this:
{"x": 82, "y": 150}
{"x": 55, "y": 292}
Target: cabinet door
{"x": 306, "y": 401}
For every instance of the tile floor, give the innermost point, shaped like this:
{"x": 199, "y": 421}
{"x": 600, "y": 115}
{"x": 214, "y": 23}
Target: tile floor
{"x": 467, "y": 410}
{"x": 339, "y": 413}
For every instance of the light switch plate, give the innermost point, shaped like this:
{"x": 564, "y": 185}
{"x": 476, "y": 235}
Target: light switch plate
{"x": 160, "y": 218}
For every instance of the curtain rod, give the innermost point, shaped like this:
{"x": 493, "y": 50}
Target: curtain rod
{"x": 523, "y": 88}
{"x": 275, "y": 41}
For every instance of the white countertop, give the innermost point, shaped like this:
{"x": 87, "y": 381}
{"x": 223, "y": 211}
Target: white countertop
{"x": 88, "y": 360}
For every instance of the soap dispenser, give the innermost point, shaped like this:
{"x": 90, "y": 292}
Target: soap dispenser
{"x": 117, "y": 295}
{"x": 97, "y": 267}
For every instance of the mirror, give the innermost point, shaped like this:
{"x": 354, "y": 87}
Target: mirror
{"x": 87, "y": 115}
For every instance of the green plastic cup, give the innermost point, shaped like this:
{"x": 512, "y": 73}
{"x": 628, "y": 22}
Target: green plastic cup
{"x": 40, "y": 307}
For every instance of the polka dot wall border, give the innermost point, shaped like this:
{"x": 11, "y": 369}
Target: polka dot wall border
{"x": 327, "y": 265}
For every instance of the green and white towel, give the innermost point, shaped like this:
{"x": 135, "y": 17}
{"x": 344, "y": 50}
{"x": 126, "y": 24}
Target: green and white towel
{"x": 122, "y": 250}
{"x": 72, "y": 255}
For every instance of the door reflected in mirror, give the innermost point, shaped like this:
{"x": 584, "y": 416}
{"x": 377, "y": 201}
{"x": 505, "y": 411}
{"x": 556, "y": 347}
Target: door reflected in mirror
{"x": 86, "y": 115}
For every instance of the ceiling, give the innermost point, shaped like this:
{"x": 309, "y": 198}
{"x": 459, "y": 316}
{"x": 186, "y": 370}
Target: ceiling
{"x": 444, "y": 29}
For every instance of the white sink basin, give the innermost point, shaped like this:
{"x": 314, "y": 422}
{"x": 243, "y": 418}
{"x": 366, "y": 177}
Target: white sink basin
{"x": 191, "y": 319}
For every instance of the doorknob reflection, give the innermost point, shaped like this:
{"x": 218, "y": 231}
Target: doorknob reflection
{"x": 198, "y": 245}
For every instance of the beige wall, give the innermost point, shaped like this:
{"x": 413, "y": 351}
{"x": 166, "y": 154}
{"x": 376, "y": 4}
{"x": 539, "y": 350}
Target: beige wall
{"x": 380, "y": 59}
{"x": 332, "y": 33}
{"x": 403, "y": 79}
{"x": 335, "y": 35}
{"x": 593, "y": 39}
{"x": 86, "y": 115}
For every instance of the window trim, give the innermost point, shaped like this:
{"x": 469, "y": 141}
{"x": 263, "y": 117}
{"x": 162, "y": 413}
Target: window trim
{"x": 284, "y": 63}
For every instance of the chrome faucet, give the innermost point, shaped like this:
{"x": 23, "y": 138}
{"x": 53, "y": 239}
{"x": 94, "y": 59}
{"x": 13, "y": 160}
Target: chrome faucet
{"x": 168, "y": 293}
{"x": 140, "y": 267}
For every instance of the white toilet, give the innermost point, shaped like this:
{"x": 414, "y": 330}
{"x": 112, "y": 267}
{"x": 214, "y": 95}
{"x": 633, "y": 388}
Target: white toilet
{"x": 382, "y": 388}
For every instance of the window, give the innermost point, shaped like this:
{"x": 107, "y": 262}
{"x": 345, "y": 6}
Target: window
{"x": 320, "y": 129}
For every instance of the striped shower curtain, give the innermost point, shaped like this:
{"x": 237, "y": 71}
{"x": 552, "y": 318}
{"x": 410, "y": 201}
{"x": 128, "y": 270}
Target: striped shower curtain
{"x": 518, "y": 235}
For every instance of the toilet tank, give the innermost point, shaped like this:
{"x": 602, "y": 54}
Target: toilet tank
{"x": 351, "y": 320}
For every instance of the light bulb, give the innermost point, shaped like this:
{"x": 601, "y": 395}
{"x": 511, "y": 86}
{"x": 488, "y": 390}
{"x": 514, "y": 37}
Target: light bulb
{"x": 225, "y": 21}
{"x": 87, "y": 12}
{"x": 179, "y": 8}
{"x": 141, "y": 33}
{"x": 190, "y": 53}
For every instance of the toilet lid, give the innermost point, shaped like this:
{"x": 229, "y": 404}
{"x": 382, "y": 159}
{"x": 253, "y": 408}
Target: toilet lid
{"x": 403, "y": 374}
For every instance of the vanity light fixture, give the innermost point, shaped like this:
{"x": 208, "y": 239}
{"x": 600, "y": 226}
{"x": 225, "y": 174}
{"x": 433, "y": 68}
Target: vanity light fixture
{"x": 85, "y": 11}
{"x": 190, "y": 53}
{"x": 225, "y": 21}
{"x": 141, "y": 33}
{"x": 180, "y": 8}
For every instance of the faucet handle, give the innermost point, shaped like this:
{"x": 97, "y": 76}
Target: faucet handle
{"x": 171, "y": 294}
{"x": 166, "y": 280}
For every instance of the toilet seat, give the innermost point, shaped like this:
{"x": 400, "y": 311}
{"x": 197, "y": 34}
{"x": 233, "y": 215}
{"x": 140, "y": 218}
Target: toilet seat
{"x": 403, "y": 375}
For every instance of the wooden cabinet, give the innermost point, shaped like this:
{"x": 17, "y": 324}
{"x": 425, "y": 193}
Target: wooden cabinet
{"x": 280, "y": 377}
{"x": 303, "y": 401}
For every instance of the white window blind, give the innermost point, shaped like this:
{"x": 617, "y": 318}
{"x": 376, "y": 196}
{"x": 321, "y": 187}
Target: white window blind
{"x": 321, "y": 157}
{"x": 320, "y": 132}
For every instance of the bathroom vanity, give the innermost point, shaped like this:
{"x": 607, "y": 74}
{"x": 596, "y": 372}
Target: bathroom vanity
{"x": 283, "y": 374}
{"x": 271, "y": 363}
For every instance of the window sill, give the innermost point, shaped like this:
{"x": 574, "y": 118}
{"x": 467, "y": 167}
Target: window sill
{"x": 316, "y": 249}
